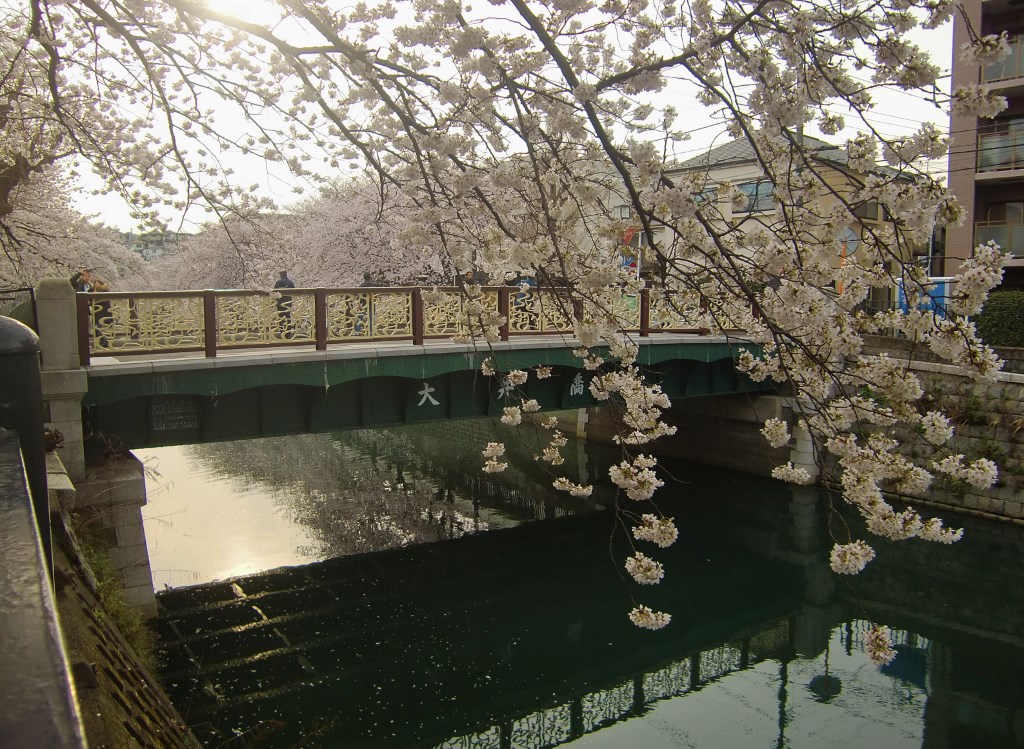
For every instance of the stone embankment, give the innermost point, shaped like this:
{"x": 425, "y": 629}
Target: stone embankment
{"x": 122, "y": 705}
{"x": 724, "y": 430}
{"x": 989, "y": 423}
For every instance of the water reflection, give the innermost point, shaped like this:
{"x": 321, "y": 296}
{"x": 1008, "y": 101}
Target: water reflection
{"x": 518, "y": 637}
{"x": 218, "y": 510}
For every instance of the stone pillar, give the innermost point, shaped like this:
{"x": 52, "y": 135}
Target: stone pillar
{"x": 804, "y": 521}
{"x": 64, "y": 382}
{"x": 803, "y": 454}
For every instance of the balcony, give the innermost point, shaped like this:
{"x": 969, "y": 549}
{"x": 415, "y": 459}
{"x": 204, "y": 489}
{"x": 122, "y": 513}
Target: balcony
{"x": 1009, "y": 68}
{"x": 1007, "y": 234}
{"x": 999, "y": 151}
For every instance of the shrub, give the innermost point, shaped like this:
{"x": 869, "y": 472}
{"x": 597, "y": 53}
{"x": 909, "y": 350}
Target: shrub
{"x": 1001, "y": 322}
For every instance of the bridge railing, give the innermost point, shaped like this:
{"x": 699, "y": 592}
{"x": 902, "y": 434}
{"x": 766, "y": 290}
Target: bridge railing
{"x": 143, "y": 323}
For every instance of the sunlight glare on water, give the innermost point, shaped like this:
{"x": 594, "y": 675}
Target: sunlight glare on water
{"x": 202, "y": 525}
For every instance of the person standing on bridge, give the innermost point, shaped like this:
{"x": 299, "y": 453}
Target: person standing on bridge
{"x": 82, "y": 280}
{"x": 284, "y": 305}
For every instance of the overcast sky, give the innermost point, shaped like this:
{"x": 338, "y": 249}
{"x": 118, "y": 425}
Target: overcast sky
{"x": 897, "y": 113}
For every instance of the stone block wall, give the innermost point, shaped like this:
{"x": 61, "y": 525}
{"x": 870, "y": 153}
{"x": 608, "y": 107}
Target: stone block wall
{"x": 988, "y": 418}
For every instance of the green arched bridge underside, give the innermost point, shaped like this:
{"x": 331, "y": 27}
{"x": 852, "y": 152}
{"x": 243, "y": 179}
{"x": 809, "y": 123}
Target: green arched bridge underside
{"x": 185, "y": 401}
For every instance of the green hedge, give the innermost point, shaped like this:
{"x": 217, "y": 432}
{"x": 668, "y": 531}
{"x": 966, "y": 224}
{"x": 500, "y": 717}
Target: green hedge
{"x": 1001, "y": 322}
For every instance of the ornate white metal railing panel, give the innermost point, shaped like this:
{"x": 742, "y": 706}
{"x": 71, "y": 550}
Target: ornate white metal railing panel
{"x": 554, "y": 317}
{"x": 666, "y": 314}
{"x": 244, "y": 320}
{"x": 443, "y": 313}
{"x": 391, "y": 314}
{"x": 449, "y": 312}
{"x": 150, "y": 322}
{"x": 364, "y": 315}
{"x": 143, "y": 324}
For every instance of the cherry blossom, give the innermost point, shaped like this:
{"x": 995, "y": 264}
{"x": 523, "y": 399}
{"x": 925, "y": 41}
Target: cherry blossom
{"x": 645, "y": 618}
{"x": 518, "y": 139}
{"x": 576, "y": 490}
{"x": 644, "y": 570}
{"x": 878, "y": 645}
{"x": 660, "y": 531}
{"x": 850, "y": 559}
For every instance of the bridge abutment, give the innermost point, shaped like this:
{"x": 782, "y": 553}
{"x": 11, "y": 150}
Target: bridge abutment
{"x": 718, "y": 430}
{"x": 111, "y": 498}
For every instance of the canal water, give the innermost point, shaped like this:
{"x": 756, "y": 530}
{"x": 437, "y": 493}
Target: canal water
{"x": 374, "y": 588}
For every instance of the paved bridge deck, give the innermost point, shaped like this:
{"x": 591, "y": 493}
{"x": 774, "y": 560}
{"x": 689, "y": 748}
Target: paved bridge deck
{"x": 703, "y": 346}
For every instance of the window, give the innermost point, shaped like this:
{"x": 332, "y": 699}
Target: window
{"x": 868, "y": 210}
{"x": 1009, "y": 212}
{"x": 1000, "y": 144}
{"x": 622, "y": 211}
{"x": 759, "y": 197}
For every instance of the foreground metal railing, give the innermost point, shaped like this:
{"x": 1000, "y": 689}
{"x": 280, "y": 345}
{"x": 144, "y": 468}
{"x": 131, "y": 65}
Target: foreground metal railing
{"x": 37, "y": 702}
{"x": 19, "y": 303}
{"x": 142, "y": 323}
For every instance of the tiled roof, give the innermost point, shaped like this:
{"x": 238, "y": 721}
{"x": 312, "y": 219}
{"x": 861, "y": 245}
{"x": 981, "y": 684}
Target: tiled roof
{"x": 740, "y": 151}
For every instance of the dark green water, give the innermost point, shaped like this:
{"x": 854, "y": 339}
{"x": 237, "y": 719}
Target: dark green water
{"x": 433, "y": 632}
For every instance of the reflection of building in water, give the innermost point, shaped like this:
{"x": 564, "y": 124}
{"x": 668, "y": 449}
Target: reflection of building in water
{"x": 964, "y": 601}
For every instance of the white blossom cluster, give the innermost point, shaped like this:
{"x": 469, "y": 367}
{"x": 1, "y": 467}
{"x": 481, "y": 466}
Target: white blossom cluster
{"x": 851, "y": 558}
{"x": 643, "y": 403}
{"x": 981, "y": 473}
{"x": 644, "y": 570}
{"x": 660, "y": 531}
{"x": 576, "y": 490}
{"x": 792, "y": 474}
{"x": 978, "y": 273}
{"x": 637, "y": 478}
{"x": 878, "y": 645}
{"x": 492, "y": 452}
{"x": 776, "y": 432}
{"x": 977, "y": 101}
{"x": 645, "y": 618}
{"x": 985, "y": 50}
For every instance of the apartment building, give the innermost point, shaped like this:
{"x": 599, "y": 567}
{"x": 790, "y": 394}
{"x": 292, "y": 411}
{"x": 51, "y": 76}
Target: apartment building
{"x": 152, "y": 244}
{"x": 986, "y": 162}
